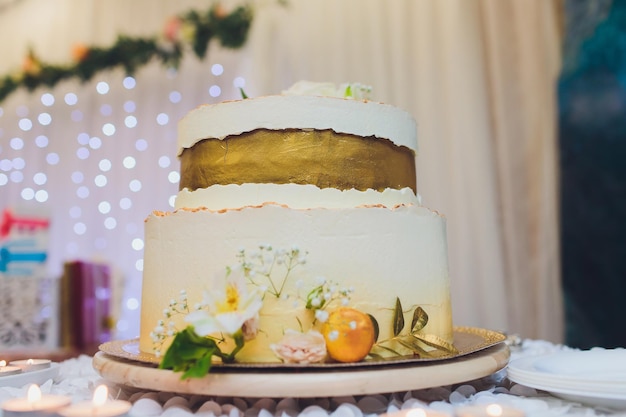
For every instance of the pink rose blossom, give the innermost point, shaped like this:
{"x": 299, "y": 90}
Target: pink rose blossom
{"x": 296, "y": 347}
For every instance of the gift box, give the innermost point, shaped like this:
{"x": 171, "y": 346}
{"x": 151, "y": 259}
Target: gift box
{"x": 86, "y": 298}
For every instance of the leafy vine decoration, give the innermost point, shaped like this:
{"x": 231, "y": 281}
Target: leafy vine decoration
{"x": 191, "y": 31}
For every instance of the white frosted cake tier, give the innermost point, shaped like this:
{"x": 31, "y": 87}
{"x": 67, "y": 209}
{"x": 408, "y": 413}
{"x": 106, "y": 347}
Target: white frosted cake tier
{"x": 382, "y": 253}
{"x": 218, "y": 197}
{"x": 355, "y": 117}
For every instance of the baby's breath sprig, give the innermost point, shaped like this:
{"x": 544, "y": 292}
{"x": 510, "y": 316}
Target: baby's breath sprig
{"x": 324, "y": 295}
{"x": 260, "y": 267}
{"x": 166, "y": 327}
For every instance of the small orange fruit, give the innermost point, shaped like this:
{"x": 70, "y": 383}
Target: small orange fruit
{"x": 349, "y": 334}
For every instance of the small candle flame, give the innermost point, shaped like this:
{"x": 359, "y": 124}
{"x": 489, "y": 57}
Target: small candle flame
{"x": 30, "y": 362}
{"x": 3, "y": 363}
{"x": 100, "y": 396}
{"x": 494, "y": 410}
{"x": 34, "y": 394}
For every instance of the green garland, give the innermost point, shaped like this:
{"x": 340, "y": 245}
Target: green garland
{"x": 192, "y": 29}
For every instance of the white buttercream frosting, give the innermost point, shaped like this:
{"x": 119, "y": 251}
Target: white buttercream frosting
{"x": 356, "y": 117}
{"x": 296, "y": 196}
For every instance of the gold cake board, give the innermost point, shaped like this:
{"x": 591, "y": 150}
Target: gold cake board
{"x": 253, "y": 381}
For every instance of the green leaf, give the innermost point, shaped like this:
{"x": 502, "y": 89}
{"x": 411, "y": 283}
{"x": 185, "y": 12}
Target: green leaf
{"x": 315, "y": 293}
{"x": 398, "y": 318}
{"x": 200, "y": 368}
{"x": 190, "y": 353}
{"x": 420, "y": 319}
{"x": 243, "y": 93}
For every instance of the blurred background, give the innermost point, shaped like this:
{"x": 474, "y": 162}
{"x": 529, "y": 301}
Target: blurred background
{"x": 521, "y": 131}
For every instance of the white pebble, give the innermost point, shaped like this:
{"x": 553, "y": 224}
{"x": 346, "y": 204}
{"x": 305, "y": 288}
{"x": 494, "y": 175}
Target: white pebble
{"x": 231, "y": 411}
{"x": 289, "y": 413}
{"x": 347, "y": 410}
{"x": 457, "y": 398}
{"x": 211, "y": 406}
{"x": 196, "y": 400}
{"x": 136, "y": 396}
{"x": 523, "y": 391}
{"x": 337, "y": 401}
{"x": 177, "y": 411}
{"x": 146, "y": 407}
{"x": 442, "y": 407}
{"x": 164, "y": 396}
{"x": 265, "y": 404}
{"x": 176, "y": 401}
{"x": 413, "y": 403}
{"x": 532, "y": 406}
{"x": 251, "y": 412}
{"x": 466, "y": 390}
{"x": 265, "y": 413}
{"x": 371, "y": 405}
{"x": 240, "y": 403}
{"x": 433, "y": 394}
{"x": 204, "y": 414}
{"x": 314, "y": 411}
{"x": 323, "y": 402}
{"x": 287, "y": 404}
{"x": 152, "y": 395}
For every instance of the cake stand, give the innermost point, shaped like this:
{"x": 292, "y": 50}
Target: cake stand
{"x": 481, "y": 353}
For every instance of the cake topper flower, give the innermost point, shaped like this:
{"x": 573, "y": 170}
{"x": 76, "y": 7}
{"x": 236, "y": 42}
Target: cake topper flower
{"x": 356, "y": 91}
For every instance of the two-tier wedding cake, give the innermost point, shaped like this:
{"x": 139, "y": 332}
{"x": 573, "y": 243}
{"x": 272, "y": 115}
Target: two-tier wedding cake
{"x": 294, "y": 210}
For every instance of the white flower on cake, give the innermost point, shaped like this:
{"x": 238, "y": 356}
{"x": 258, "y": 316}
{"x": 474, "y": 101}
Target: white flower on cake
{"x": 228, "y": 307}
{"x": 230, "y": 310}
{"x": 355, "y": 91}
{"x": 303, "y": 348}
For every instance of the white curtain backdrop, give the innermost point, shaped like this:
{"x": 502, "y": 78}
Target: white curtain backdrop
{"x": 478, "y": 75}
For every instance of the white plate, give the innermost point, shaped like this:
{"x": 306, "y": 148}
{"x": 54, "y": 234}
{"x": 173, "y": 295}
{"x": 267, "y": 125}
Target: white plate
{"x": 606, "y": 365}
{"x": 31, "y": 377}
{"x": 595, "y": 377}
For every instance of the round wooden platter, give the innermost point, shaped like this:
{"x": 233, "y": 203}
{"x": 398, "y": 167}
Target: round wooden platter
{"x": 307, "y": 382}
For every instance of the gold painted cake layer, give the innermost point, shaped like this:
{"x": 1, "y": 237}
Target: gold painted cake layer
{"x": 319, "y": 157}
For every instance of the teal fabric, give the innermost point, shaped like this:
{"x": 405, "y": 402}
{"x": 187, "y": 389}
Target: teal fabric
{"x": 592, "y": 142}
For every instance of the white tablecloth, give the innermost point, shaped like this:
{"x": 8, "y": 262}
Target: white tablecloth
{"x": 78, "y": 379}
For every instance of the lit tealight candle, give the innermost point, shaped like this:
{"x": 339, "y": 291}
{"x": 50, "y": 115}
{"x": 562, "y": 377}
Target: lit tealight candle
{"x": 491, "y": 410}
{"x": 98, "y": 407}
{"x": 28, "y": 365}
{"x": 8, "y": 370}
{"x": 35, "y": 404}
